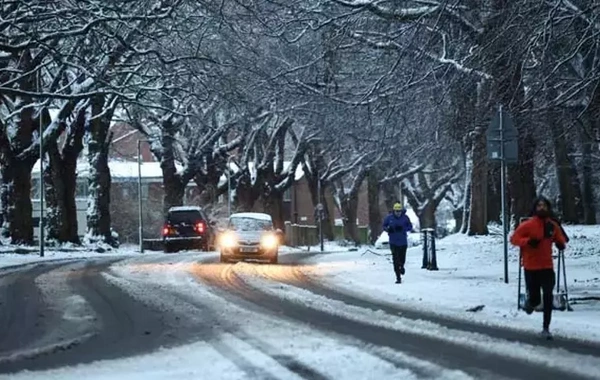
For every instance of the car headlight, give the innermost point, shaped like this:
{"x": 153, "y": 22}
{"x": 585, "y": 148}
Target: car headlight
{"x": 228, "y": 241}
{"x": 269, "y": 241}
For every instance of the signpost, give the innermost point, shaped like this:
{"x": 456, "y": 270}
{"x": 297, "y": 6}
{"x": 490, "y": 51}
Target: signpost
{"x": 502, "y": 145}
{"x": 320, "y": 211}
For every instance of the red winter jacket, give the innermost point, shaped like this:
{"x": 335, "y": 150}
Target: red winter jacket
{"x": 539, "y": 257}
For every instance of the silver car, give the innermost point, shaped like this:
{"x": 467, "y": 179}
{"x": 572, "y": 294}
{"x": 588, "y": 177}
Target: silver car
{"x": 251, "y": 236}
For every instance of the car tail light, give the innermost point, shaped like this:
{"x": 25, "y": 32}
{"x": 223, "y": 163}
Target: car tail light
{"x": 200, "y": 227}
{"x": 166, "y": 230}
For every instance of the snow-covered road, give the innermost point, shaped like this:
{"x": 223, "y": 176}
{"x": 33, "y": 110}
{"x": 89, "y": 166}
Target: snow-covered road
{"x": 186, "y": 316}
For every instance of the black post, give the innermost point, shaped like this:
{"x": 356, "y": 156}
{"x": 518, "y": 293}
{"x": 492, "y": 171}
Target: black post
{"x": 433, "y": 264}
{"x": 519, "y": 282}
{"x": 425, "y": 258}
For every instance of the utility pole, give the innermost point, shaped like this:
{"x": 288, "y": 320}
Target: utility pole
{"x": 41, "y": 178}
{"x": 503, "y": 197}
{"x": 140, "y": 205}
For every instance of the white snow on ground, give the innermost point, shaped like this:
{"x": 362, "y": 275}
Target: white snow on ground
{"x": 30, "y": 255}
{"x": 249, "y": 347}
{"x": 471, "y": 273}
{"x": 255, "y": 337}
{"x": 554, "y": 358}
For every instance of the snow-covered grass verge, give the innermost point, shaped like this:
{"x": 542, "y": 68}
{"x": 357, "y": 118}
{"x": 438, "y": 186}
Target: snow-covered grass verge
{"x": 549, "y": 357}
{"x": 471, "y": 273}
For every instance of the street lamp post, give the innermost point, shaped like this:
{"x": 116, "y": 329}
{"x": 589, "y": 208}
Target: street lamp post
{"x": 140, "y": 213}
{"x": 229, "y": 185}
{"x": 41, "y": 179}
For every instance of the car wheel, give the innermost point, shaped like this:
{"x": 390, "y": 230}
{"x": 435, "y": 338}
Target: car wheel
{"x": 222, "y": 258}
{"x": 168, "y": 248}
{"x": 274, "y": 260}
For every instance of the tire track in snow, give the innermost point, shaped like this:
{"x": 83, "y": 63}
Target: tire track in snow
{"x": 450, "y": 355}
{"x": 297, "y": 277}
{"x": 123, "y": 326}
{"x": 207, "y": 320}
{"x": 425, "y": 371}
{"x": 24, "y": 314}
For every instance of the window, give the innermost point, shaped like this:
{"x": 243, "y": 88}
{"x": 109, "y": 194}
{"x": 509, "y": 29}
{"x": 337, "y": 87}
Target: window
{"x": 287, "y": 195}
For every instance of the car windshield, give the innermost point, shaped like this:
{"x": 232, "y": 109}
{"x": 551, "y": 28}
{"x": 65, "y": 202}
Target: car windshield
{"x": 250, "y": 224}
{"x": 187, "y": 216}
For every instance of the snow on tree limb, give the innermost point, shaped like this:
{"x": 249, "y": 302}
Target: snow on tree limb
{"x": 377, "y": 8}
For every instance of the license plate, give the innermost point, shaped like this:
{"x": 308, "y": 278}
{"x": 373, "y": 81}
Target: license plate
{"x": 248, "y": 249}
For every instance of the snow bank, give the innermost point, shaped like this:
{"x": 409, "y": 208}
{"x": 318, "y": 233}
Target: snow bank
{"x": 30, "y": 255}
{"x": 472, "y": 274}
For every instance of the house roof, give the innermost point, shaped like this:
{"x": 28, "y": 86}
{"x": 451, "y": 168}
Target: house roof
{"x": 127, "y": 170}
{"x": 120, "y": 169}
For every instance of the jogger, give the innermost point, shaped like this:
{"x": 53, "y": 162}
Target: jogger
{"x": 535, "y": 238}
{"x": 397, "y": 225}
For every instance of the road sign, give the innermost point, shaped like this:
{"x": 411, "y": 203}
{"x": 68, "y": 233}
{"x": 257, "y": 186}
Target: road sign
{"x": 502, "y": 129}
{"x": 508, "y": 127}
{"x": 511, "y": 151}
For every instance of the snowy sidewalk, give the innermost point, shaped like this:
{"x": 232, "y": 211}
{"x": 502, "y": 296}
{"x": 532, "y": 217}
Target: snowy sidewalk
{"x": 471, "y": 274}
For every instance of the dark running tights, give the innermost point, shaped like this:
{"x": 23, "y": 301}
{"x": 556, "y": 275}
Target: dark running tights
{"x": 398, "y": 258}
{"x": 545, "y": 280}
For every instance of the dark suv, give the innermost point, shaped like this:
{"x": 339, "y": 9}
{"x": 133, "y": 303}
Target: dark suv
{"x": 187, "y": 227}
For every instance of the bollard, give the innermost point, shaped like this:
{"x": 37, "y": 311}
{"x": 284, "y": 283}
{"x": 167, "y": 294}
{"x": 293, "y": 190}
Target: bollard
{"x": 425, "y": 259}
{"x": 429, "y": 252}
{"x": 433, "y": 261}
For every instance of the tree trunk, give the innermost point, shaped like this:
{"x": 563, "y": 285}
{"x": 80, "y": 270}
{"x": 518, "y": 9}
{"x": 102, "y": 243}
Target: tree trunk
{"x": 375, "y": 221}
{"x": 494, "y": 195}
{"x": 570, "y": 193}
{"x": 174, "y": 192}
{"x": 588, "y": 196}
{"x": 99, "y": 180}
{"x": 273, "y": 205}
{"x": 349, "y": 209}
{"x": 15, "y": 195}
{"x": 390, "y": 193}
{"x": 244, "y": 195}
{"x": 56, "y": 222}
{"x": 427, "y": 216}
{"x": 521, "y": 178}
{"x": 478, "y": 207}
{"x": 458, "y": 215}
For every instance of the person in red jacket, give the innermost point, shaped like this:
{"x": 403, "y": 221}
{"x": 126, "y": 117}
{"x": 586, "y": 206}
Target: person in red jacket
{"x": 535, "y": 237}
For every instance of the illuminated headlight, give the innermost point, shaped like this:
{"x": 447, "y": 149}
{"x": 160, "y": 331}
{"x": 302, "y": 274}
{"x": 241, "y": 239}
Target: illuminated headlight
{"x": 228, "y": 241}
{"x": 269, "y": 241}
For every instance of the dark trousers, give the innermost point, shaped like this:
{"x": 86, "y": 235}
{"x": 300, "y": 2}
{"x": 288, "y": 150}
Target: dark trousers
{"x": 398, "y": 258}
{"x": 543, "y": 279}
